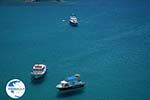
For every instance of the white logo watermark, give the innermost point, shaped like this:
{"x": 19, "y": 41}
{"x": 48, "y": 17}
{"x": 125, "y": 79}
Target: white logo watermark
{"x": 15, "y": 88}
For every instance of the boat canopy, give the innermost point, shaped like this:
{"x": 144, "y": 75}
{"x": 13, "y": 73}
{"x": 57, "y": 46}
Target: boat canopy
{"x": 71, "y": 78}
{"x": 38, "y": 66}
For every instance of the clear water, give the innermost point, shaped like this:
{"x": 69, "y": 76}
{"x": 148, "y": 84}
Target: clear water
{"x": 110, "y": 48}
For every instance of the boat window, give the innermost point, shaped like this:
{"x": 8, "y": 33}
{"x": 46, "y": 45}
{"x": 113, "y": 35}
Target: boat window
{"x": 37, "y": 69}
{"x": 66, "y": 85}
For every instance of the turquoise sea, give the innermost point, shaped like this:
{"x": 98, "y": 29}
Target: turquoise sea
{"x": 110, "y": 48}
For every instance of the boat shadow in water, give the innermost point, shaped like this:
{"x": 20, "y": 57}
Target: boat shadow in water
{"x": 69, "y": 93}
{"x": 37, "y": 81}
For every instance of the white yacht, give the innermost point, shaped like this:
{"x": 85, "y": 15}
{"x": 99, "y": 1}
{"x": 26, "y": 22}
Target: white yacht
{"x": 38, "y": 71}
{"x": 70, "y": 83}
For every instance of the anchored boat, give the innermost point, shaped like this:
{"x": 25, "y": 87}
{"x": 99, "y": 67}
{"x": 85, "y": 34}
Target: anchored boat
{"x": 73, "y": 20}
{"x": 72, "y": 82}
{"x": 38, "y": 71}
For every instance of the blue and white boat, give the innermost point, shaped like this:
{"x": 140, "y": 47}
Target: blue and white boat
{"x": 72, "y": 82}
{"x": 38, "y": 71}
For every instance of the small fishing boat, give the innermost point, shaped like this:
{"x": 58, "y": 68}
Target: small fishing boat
{"x": 38, "y": 71}
{"x": 72, "y": 82}
{"x": 73, "y": 20}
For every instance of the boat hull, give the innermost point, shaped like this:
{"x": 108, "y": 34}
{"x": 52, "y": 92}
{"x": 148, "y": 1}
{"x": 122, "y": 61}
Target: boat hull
{"x": 72, "y": 87}
{"x": 39, "y": 76}
{"x": 73, "y": 24}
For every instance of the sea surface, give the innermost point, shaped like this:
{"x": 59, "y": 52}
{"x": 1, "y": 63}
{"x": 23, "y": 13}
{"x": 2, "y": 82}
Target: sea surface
{"x": 110, "y": 48}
